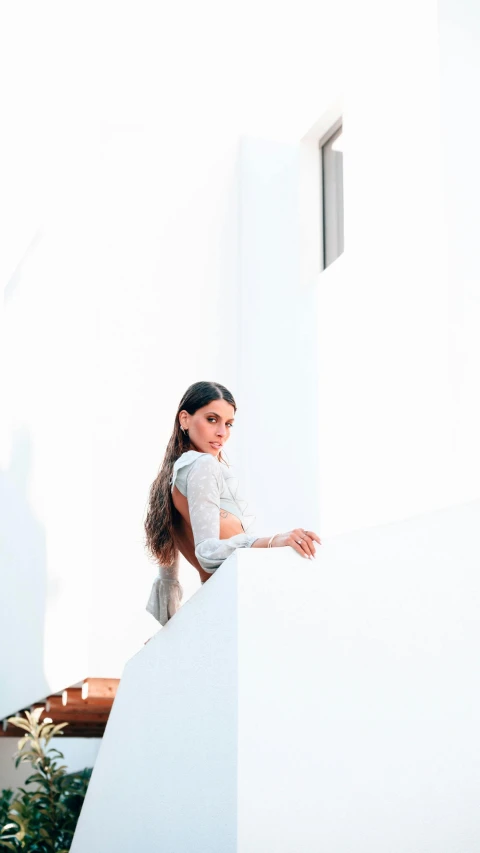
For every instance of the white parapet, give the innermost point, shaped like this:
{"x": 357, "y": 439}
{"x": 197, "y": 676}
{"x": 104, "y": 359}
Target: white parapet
{"x": 296, "y": 706}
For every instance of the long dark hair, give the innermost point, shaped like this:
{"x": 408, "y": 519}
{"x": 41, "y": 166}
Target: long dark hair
{"x": 161, "y": 513}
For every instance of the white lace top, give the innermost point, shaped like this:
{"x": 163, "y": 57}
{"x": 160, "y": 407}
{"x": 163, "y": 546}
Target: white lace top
{"x": 209, "y": 486}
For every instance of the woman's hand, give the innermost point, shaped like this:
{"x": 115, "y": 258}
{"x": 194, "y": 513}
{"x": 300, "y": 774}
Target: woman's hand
{"x": 300, "y": 539}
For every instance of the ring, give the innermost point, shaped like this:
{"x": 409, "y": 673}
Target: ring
{"x": 299, "y": 541}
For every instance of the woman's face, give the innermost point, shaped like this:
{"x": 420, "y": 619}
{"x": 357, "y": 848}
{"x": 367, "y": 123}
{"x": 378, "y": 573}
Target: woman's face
{"x": 209, "y": 428}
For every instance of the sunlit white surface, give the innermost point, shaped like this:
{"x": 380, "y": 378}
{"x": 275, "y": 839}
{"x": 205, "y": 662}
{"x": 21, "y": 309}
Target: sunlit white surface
{"x": 306, "y": 705}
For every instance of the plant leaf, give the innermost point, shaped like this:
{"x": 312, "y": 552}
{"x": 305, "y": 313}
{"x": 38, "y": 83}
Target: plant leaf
{"x": 37, "y": 712}
{"x": 35, "y": 777}
{"x": 20, "y": 723}
{"x": 60, "y": 754}
{"x": 59, "y": 726}
{"x": 46, "y": 728}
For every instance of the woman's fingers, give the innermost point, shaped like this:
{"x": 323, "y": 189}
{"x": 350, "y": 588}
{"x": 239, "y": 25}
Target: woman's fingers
{"x": 307, "y": 544}
{"x": 296, "y": 543}
{"x": 314, "y": 536}
{"x": 308, "y": 540}
{"x": 304, "y": 541}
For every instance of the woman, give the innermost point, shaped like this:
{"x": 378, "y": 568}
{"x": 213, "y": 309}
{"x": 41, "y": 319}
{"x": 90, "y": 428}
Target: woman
{"x": 193, "y": 505}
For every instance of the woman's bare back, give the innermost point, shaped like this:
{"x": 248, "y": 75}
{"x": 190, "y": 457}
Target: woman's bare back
{"x": 230, "y": 525}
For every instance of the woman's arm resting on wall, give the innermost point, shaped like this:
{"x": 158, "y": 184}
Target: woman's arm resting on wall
{"x": 203, "y": 495}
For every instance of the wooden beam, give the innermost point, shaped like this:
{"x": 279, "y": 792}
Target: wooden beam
{"x": 59, "y": 715}
{"x": 102, "y": 688}
{"x": 86, "y": 709}
{"x": 54, "y": 705}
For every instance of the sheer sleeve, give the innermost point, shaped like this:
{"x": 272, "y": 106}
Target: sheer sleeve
{"x": 203, "y": 495}
{"x": 166, "y": 593}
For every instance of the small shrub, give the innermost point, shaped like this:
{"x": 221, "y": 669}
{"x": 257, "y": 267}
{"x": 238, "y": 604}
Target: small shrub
{"x": 5, "y": 800}
{"x": 42, "y": 820}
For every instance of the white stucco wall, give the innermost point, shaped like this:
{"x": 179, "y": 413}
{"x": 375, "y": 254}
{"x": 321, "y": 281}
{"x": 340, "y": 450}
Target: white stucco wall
{"x": 459, "y": 31}
{"x": 363, "y": 357}
{"x": 181, "y": 757}
{"x": 306, "y": 705}
{"x": 357, "y": 707}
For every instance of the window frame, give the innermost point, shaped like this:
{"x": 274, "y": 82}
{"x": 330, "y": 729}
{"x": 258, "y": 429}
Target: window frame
{"x": 324, "y": 140}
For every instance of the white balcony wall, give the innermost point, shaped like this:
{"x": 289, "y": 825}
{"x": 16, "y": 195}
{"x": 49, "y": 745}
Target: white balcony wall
{"x": 306, "y": 705}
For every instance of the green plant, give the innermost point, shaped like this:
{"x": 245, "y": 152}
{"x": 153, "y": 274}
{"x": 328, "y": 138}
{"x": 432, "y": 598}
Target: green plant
{"x": 5, "y": 800}
{"x": 43, "y": 820}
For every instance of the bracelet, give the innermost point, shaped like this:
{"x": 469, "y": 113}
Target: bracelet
{"x": 271, "y": 540}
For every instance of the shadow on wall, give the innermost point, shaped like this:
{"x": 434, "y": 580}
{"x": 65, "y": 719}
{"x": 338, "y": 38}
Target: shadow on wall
{"x": 23, "y": 572}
